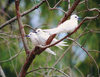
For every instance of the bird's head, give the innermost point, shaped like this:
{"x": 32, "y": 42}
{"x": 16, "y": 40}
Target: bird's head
{"x": 38, "y": 31}
{"x": 30, "y": 34}
{"x": 74, "y": 17}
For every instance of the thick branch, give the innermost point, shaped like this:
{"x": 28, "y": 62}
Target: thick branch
{"x": 29, "y": 61}
{"x": 22, "y": 14}
{"x": 21, "y": 28}
{"x": 27, "y": 64}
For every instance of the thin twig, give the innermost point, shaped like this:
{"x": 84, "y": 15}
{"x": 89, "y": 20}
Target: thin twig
{"x": 86, "y": 52}
{"x": 12, "y": 63}
{"x": 68, "y": 4}
{"x": 22, "y": 14}
{"x": 94, "y": 51}
{"x": 55, "y": 7}
{"x": 8, "y": 35}
{"x": 57, "y": 3}
{"x": 2, "y": 72}
{"x": 11, "y": 58}
{"x": 82, "y": 75}
{"x": 93, "y": 9}
{"x": 59, "y": 59}
{"x": 25, "y": 25}
{"x": 82, "y": 2}
{"x": 3, "y": 12}
{"x": 40, "y": 68}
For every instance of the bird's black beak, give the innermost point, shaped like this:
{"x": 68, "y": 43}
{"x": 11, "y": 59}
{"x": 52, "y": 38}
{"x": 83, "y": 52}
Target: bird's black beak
{"x": 26, "y": 35}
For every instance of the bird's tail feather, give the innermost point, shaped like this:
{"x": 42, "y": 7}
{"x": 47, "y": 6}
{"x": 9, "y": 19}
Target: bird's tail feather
{"x": 61, "y": 44}
{"x": 52, "y": 31}
{"x": 59, "y": 47}
{"x": 50, "y": 51}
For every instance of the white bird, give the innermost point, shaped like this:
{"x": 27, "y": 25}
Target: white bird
{"x": 67, "y": 26}
{"x": 43, "y": 36}
{"x": 35, "y": 40}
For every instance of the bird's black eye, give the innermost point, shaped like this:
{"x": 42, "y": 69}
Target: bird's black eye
{"x": 75, "y": 17}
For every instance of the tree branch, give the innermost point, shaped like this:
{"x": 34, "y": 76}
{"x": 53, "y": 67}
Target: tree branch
{"x": 93, "y": 9}
{"x": 58, "y": 60}
{"x": 86, "y": 52}
{"x": 2, "y": 72}
{"x": 55, "y": 7}
{"x": 22, "y": 14}
{"x": 35, "y": 51}
{"x": 11, "y": 58}
{"x": 68, "y": 4}
{"x": 82, "y": 75}
{"x": 21, "y": 27}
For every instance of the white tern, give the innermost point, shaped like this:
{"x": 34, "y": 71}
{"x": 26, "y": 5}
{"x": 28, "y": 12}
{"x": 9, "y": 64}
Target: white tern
{"x": 43, "y": 36}
{"x": 67, "y": 26}
{"x": 35, "y": 40}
